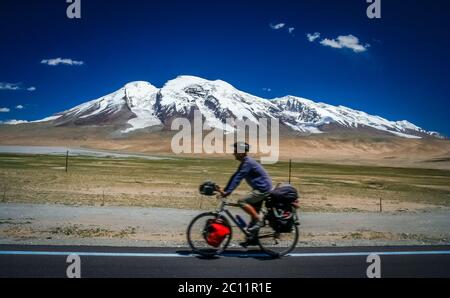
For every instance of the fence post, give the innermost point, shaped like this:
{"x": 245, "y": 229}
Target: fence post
{"x": 67, "y": 161}
{"x": 290, "y": 170}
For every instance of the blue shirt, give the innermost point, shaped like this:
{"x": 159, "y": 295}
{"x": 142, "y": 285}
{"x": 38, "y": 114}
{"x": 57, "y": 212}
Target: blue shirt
{"x": 253, "y": 173}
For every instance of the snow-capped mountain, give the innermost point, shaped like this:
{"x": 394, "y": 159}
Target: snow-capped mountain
{"x": 305, "y": 115}
{"x": 132, "y": 104}
{"x": 216, "y": 100}
{"x": 140, "y": 105}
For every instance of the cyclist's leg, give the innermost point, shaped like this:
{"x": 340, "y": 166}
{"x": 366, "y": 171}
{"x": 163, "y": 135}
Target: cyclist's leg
{"x": 252, "y": 203}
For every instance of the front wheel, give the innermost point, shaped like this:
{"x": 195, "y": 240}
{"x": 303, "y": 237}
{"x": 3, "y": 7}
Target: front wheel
{"x": 196, "y": 235}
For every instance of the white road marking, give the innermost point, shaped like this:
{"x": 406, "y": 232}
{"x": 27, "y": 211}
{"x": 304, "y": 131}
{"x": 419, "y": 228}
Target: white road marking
{"x": 229, "y": 254}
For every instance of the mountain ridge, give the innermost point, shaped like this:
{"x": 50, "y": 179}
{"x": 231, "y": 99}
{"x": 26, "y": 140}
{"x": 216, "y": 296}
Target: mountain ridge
{"x": 140, "y": 105}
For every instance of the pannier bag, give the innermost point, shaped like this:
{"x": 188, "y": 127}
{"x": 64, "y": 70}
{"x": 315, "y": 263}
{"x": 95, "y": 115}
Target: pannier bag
{"x": 284, "y": 196}
{"x": 281, "y": 221}
{"x": 216, "y": 231}
{"x": 285, "y": 193}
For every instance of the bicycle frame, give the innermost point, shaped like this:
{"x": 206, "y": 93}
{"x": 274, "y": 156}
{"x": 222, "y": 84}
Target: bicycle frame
{"x": 223, "y": 210}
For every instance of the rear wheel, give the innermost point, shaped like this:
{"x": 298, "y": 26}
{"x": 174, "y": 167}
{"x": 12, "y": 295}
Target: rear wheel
{"x": 277, "y": 244}
{"x": 196, "y": 235}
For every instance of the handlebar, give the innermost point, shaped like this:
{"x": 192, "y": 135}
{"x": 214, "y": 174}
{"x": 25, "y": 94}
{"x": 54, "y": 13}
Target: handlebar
{"x": 226, "y": 203}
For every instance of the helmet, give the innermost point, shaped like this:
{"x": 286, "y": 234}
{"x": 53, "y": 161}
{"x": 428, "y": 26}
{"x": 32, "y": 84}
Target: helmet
{"x": 208, "y": 188}
{"x": 241, "y": 147}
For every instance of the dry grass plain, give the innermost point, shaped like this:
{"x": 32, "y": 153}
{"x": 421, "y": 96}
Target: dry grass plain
{"x": 173, "y": 183}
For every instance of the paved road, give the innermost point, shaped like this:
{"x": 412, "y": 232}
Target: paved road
{"x": 51, "y": 261}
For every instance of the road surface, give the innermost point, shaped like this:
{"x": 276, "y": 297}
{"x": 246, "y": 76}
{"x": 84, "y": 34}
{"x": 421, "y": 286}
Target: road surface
{"x": 51, "y": 261}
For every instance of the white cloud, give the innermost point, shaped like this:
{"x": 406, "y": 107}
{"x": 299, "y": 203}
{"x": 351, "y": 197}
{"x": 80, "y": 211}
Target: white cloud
{"x": 291, "y": 30}
{"x": 20, "y": 107}
{"x": 13, "y": 122}
{"x": 9, "y": 86}
{"x": 277, "y": 26}
{"x": 267, "y": 89}
{"x": 345, "y": 41}
{"x": 14, "y": 87}
{"x": 64, "y": 61}
{"x": 4, "y": 110}
{"x": 331, "y": 43}
{"x": 313, "y": 37}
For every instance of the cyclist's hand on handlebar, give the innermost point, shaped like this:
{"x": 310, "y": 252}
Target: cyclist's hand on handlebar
{"x": 221, "y": 193}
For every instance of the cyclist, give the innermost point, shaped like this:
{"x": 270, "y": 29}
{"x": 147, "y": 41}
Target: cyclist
{"x": 258, "y": 179}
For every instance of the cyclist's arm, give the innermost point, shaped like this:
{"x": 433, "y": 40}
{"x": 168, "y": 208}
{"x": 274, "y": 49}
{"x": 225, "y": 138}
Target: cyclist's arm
{"x": 235, "y": 180}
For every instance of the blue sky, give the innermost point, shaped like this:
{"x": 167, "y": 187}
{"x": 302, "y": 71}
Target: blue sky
{"x": 397, "y": 68}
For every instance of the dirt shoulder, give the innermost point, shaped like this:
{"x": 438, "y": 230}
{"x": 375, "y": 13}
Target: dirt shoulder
{"x": 160, "y": 227}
